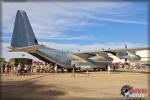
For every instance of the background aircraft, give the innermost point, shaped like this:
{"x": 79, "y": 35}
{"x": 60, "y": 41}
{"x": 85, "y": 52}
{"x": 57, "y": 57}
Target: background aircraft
{"x": 23, "y": 39}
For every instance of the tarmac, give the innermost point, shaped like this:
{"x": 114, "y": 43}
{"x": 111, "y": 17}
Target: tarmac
{"x": 64, "y": 86}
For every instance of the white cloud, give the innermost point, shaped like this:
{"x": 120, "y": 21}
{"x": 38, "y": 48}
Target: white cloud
{"x": 61, "y": 36}
{"x": 118, "y": 20}
{"x": 50, "y": 20}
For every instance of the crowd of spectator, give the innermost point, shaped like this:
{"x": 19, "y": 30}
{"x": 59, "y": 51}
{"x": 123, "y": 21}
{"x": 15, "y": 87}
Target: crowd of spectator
{"x": 27, "y": 69}
{"x": 47, "y": 67}
{"x": 18, "y": 69}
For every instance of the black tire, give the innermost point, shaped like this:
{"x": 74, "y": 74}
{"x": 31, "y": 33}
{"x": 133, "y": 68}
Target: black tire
{"x": 69, "y": 70}
{"x": 105, "y": 69}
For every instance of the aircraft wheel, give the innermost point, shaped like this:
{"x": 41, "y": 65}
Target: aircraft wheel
{"x": 69, "y": 70}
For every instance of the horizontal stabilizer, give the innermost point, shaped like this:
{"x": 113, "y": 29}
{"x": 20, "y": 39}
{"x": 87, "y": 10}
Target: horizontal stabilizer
{"x": 29, "y": 49}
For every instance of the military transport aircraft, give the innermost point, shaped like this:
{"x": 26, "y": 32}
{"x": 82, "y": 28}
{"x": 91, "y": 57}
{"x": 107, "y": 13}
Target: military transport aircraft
{"x": 24, "y": 40}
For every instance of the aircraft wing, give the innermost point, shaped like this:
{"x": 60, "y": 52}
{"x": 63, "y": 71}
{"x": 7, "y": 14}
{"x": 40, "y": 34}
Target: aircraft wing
{"x": 30, "y": 49}
{"x": 105, "y": 52}
{"x": 128, "y": 49}
{"x": 89, "y": 54}
{"x": 93, "y": 55}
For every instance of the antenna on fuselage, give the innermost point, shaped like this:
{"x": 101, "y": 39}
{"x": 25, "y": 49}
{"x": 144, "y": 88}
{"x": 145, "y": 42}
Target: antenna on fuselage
{"x": 125, "y": 46}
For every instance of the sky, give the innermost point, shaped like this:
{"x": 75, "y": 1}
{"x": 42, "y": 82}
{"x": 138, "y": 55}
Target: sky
{"x": 84, "y": 26}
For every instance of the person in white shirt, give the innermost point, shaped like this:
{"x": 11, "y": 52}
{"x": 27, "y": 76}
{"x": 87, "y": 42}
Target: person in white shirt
{"x": 55, "y": 68}
{"x": 26, "y": 68}
{"x": 15, "y": 69}
{"x": 19, "y": 69}
{"x": 108, "y": 67}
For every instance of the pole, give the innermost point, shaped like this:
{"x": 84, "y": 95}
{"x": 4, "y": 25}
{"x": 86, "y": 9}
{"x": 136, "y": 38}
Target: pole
{"x": 73, "y": 70}
{"x": 87, "y": 72}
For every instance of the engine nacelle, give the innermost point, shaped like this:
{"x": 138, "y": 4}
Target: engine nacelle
{"x": 99, "y": 58}
{"x": 80, "y": 64}
{"x": 91, "y": 62}
{"x": 130, "y": 56}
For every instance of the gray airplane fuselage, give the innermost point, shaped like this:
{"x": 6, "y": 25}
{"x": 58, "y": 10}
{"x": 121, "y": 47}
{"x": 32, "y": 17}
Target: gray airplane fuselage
{"x": 61, "y": 58}
{"x": 67, "y": 60}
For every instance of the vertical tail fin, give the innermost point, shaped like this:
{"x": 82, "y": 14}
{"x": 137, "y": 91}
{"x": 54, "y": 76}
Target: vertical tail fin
{"x": 23, "y": 34}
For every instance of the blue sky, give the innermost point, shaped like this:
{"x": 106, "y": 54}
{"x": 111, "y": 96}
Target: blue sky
{"x": 81, "y": 25}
